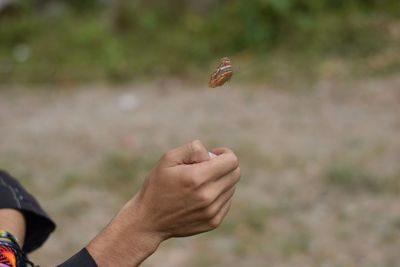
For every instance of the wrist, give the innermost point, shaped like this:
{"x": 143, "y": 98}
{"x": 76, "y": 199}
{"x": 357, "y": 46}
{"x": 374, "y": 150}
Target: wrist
{"x": 145, "y": 240}
{"x": 125, "y": 241}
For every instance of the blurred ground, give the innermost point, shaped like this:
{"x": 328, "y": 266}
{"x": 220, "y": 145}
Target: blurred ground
{"x": 321, "y": 172}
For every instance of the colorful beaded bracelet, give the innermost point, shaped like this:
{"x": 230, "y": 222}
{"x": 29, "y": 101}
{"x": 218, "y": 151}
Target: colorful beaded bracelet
{"x": 11, "y": 255}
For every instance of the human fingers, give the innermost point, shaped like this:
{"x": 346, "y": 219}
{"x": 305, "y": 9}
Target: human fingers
{"x": 221, "y": 150}
{"x": 209, "y": 193}
{"x": 214, "y": 208}
{"x": 217, "y": 167}
{"x": 211, "y": 155}
{"x": 219, "y": 218}
{"x": 193, "y": 152}
{"x": 226, "y": 182}
{"x": 223, "y": 212}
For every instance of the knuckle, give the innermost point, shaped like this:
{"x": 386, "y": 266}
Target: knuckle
{"x": 237, "y": 174}
{"x": 167, "y": 156}
{"x": 228, "y": 150}
{"x": 196, "y": 146}
{"x": 214, "y": 222}
{"x": 205, "y": 198}
{"x": 196, "y": 177}
{"x": 210, "y": 212}
{"x": 234, "y": 160}
{"x": 190, "y": 182}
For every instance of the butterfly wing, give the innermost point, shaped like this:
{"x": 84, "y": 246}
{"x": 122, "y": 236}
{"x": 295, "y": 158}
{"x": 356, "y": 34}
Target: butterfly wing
{"x": 223, "y": 74}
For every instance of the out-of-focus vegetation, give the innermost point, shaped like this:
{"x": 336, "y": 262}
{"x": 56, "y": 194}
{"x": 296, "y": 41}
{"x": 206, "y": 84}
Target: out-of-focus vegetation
{"x": 68, "y": 41}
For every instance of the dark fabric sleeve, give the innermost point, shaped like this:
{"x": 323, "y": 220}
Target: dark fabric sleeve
{"x": 39, "y": 226}
{"x": 80, "y": 259}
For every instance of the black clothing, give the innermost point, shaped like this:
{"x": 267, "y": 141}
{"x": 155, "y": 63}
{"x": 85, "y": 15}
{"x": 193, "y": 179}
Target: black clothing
{"x": 82, "y": 258}
{"x": 39, "y": 226}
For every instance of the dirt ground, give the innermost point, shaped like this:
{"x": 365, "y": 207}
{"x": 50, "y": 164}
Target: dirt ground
{"x": 321, "y": 167}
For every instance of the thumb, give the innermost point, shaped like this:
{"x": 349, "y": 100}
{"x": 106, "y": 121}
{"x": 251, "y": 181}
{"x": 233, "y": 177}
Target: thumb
{"x": 191, "y": 153}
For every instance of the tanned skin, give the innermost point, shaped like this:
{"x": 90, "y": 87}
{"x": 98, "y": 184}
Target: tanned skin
{"x": 185, "y": 194}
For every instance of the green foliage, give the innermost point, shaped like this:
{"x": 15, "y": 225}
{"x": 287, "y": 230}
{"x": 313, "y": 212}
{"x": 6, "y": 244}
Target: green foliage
{"x": 356, "y": 178}
{"x": 90, "y": 40}
{"x": 82, "y": 6}
{"x": 123, "y": 174}
{"x": 298, "y": 242}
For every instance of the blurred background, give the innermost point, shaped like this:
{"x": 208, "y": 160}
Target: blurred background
{"x": 93, "y": 92}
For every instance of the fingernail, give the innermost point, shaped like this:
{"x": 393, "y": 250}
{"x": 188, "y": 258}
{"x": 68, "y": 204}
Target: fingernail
{"x": 211, "y": 155}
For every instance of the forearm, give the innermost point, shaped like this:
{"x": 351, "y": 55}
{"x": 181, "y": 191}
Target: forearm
{"x": 13, "y": 221}
{"x": 185, "y": 194}
{"x": 124, "y": 242}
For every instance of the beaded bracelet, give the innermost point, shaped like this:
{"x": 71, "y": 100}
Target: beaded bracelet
{"x": 11, "y": 255}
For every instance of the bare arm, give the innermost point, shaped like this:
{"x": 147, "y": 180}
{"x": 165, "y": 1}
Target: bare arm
{"x": 13, "y": 221}
{"x": 186, "y": 193}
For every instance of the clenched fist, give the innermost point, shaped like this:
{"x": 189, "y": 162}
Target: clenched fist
{"x": 186, "y": 193}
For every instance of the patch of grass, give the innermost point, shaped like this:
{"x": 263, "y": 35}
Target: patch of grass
{"x": 298, "y": 241}
{"x": 354, "y": 177}
{"x": 124, "y": 174}
{"x": 396, "y": 223}
{"x": 23, "y": 175}
{"x": 253, "y": 217}
{"x": 70, "y": 181}
{"x": 251, "y": 157}
{"x": 205, "y": 259}
{"x": 247, "y": 225}
{"x": 227, "y": 228}
{"x": 278, "y": 40}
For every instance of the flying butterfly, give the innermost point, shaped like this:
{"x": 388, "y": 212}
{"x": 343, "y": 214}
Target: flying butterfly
{"x": 223, "y": 73}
